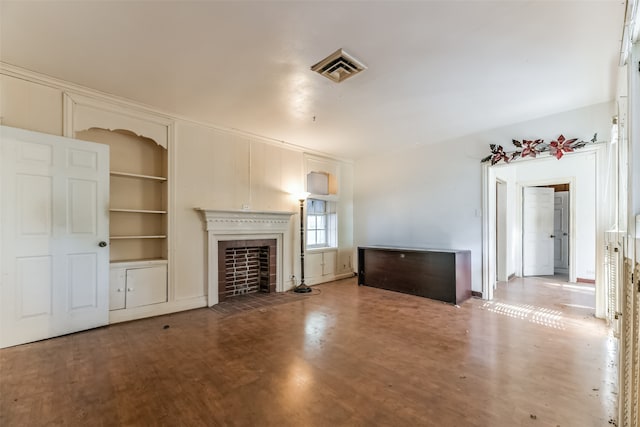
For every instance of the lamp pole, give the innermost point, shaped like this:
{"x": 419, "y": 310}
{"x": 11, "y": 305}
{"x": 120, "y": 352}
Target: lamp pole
{"x": 302, "y": 288}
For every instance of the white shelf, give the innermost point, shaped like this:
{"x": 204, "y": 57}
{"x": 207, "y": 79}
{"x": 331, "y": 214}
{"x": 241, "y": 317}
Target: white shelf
{"x": 144, "y": 211}
{"x": 137, "y": 237}
{"x": 146, "y": 261}
{"x": 135, "y": 175}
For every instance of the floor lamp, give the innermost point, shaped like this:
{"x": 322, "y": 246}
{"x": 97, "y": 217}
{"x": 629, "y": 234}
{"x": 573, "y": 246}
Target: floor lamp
{"x": 302, "y": 288}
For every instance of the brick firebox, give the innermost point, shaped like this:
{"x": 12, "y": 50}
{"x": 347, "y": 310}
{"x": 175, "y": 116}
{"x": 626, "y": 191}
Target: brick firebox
{"x": 246, "y": 266}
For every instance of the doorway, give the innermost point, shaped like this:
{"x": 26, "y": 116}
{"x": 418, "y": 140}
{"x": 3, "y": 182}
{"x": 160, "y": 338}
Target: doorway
{"x": 585, "y": 214}
{"x": 546, "y": 230}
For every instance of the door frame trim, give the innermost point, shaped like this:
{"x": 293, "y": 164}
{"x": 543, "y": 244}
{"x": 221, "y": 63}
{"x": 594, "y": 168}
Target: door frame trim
{"x": 488, "y": 216}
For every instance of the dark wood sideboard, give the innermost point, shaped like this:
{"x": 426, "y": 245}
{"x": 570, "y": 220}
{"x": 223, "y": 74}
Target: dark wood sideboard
{"x": 444, "y": 275}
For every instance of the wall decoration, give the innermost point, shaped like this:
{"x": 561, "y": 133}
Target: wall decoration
{"x": 497, "y": 154}
{"x": 531, "y": 148}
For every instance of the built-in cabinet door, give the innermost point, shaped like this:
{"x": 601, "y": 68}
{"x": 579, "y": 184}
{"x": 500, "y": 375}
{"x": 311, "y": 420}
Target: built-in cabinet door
{"x": 117, "y": 289}
{"x": 320, "y": 265}
{"x": 313, "y": 265}
{"x": 146, "y": 286}
{"x": 135, "y": 286}
{"x": 55, "y": 227}
{"x": 329, "y": 263}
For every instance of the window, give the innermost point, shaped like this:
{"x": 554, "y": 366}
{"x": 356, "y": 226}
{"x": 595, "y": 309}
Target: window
{"x": 321, "y": 224}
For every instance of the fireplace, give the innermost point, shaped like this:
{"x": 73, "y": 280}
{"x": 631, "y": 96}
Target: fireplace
{"x": 246, "y": 266}
{"x": 247, "y": 229}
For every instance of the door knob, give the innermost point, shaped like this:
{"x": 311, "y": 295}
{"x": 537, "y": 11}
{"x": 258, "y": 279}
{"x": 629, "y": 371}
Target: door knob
{"x": 102, "y": 244}
{"x": 565, "y": 234}
{"x": 552, "y": 236}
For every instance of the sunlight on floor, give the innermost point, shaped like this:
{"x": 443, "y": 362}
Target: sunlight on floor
{"x": 587, "y": 290}
{"x": 541, "y": 316}
{"x": 587, "y": 307}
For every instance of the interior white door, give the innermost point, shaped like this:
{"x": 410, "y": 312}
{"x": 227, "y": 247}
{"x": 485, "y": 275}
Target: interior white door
{"x": 501, "y": 232}
{"x": 537, "y": 231}
{"x": 54, "y": 210}
{"x": 561, "y": 232}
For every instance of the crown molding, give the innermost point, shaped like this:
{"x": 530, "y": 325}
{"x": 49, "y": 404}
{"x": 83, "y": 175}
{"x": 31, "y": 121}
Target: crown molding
{"x": 75, "y": 89}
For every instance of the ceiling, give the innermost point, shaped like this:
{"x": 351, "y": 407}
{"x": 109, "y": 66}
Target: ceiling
{"x": 436, "y": 69}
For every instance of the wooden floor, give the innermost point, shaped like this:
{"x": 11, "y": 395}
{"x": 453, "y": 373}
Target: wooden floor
{"x": 345, "y": 356}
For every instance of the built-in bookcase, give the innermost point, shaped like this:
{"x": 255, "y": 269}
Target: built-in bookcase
{"x": 138, "y": 195}
{"x": 137, "y": 219}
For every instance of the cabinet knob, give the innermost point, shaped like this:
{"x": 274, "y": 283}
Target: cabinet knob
{"x": 102, "y": 244}
{"x": 130, "y": 289}
{"x": 119, "y": 289}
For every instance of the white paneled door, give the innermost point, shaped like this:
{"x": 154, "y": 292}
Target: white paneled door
{"x": 54, "y": 259}
{"x": 537, "y": 231}
{"x": 561, "y": 232}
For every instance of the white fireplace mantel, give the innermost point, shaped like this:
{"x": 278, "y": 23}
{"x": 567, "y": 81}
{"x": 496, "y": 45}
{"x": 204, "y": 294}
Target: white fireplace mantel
{"x": 222, "y": 225}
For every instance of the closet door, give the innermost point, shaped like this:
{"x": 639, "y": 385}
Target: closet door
{"x": 55, "y": 228}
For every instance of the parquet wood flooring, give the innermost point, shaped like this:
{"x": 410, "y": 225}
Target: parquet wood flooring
{"x": 347, "y": 356}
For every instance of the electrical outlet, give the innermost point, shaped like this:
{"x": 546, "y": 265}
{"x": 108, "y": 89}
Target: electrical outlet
{"x": 245, "y": 207}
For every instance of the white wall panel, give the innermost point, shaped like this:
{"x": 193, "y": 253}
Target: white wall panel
{"x": 30, "y": 106}
{"x": 218, "y": 170}
{"x": 194, "y": 186}
{"x": 266, "y": 191}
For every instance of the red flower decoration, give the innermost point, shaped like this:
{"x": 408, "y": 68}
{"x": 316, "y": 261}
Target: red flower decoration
{"x": 530, "y": 148}
{"x": 497, "y": 154}
{"x": 561, "y": 146}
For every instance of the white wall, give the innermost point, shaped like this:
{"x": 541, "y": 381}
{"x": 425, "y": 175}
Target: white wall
{"x": 321, "y": 263}
{"x": 431, "y": 195}
{"x": 214, "y": 169}
{"x": 30, "y": 106}
{"x": 428, "y": 196}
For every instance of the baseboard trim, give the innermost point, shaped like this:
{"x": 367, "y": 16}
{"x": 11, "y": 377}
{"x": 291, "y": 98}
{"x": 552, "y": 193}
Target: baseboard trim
{"x": 117, "y": 316}
{"x": 476, "y": 294}
{"x": 328, "y": 278}
{"x": 590, "y": 281}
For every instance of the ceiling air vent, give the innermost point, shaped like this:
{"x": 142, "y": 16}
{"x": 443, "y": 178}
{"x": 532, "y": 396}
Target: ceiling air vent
{"x": 338, "y": 66}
